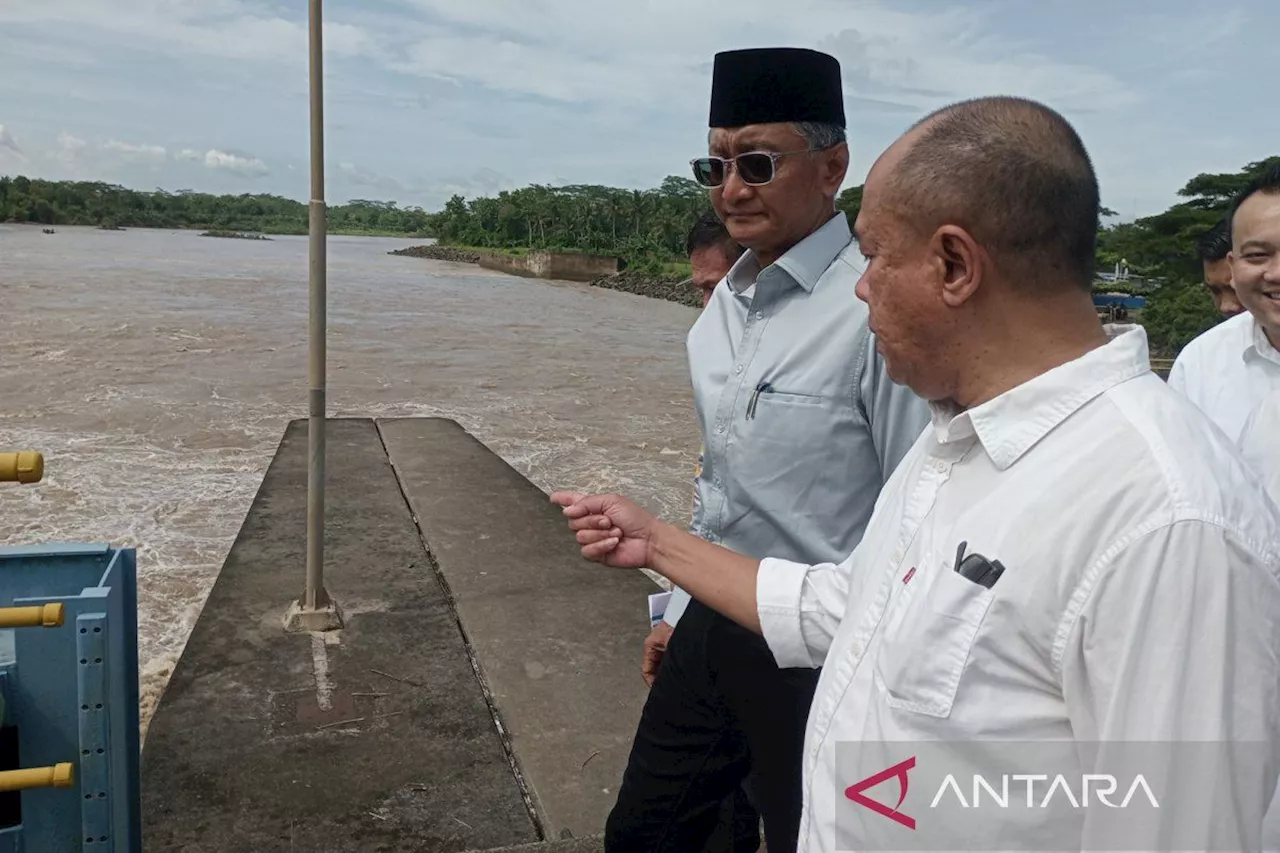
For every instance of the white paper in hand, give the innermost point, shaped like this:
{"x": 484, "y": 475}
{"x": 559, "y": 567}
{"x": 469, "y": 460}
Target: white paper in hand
{"x": 658, "y": 607}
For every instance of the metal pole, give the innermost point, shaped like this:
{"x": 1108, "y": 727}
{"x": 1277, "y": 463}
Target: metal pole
{"x": 316, "y": 596}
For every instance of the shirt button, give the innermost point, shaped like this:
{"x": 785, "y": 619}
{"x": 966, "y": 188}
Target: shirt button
{"x": 759, "y": 315}
{"x": 856, "y": 649}
{"x": 737, "y": 369}
{"x": 898, "y": 555}
{"x": 719, "y": 426}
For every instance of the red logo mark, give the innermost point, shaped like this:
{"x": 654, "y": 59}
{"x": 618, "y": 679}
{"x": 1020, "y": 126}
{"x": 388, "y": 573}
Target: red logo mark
{"x": 854, "y": 792}
{"x": 906, "y": 579}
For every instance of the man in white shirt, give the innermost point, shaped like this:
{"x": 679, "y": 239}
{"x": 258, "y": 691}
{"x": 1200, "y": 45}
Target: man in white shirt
{"x": 1229, "y": 369}
{"x": 1260, "y": 443}
{"x": 1070, "y": 559}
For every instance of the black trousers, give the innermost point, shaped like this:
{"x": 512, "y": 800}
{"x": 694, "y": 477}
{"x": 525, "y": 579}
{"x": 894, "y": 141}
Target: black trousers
{"x": 720, "y": 710}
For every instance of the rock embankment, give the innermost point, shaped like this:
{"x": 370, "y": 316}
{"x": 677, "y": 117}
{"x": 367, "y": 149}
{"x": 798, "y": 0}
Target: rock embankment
{"x": 654, "y": 288}
{"x": 629, "y": 282}
{"x": 440, "y": 253}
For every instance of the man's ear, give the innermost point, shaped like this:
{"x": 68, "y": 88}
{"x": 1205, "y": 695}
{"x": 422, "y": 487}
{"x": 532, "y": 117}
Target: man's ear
{"x": 835, "y": 166}
{"x": 963, "y": 263}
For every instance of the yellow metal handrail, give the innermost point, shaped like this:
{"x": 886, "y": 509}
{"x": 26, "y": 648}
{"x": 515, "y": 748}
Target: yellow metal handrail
{"x": 37, "y": 616}
{"x": 21, "y": 466}
{"x": 57, "y": 776}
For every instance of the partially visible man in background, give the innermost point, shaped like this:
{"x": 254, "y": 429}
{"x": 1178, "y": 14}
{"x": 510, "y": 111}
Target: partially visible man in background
{"x": 1231, "y": 368}
{"x": 1213, "y": 249}
{"x": 711, "y": 253}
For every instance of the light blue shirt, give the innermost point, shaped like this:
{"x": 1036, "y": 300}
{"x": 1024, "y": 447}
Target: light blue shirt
{"x": 792, "y": 470}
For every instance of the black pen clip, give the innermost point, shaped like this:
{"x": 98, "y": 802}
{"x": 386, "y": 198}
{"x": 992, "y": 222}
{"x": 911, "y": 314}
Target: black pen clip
{"x": 977, "y": 568}
{"x": 762, "y": 388}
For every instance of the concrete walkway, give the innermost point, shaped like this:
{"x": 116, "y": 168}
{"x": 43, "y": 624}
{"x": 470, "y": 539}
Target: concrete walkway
{"x": 558, "y": 639}
{"x": 408, "y": 730}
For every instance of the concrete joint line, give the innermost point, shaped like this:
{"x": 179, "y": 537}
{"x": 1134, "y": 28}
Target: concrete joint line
{"x": 503, "y": 737}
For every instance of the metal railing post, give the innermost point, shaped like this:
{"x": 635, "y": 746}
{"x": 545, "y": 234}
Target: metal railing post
{"x": 316, "y": 611}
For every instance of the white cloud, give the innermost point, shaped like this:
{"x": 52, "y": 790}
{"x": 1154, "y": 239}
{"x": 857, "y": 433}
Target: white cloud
{"x": 230, "y": 29}
{"x": 415, "y": 190}
{"x": 358, "y": 176}
{"x": 479, "y": 183}
{"x": 148, "y": 152}
{"x": 606, "y": 91}
{"x": 69, "y": 147}
{"x": 8, "y": 142}
{"x": 567, "y": 51}
{"x": 243, "y": 165}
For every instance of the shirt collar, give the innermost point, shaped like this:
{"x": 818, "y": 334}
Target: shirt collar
{"x": 1011, "y": 424}
{"x": 804, "y": 263}
{"x": 1257, "y": 344}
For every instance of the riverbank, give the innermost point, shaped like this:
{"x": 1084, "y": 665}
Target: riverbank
{"x": 669, "y": 288}
{"x": 440, "y": 253}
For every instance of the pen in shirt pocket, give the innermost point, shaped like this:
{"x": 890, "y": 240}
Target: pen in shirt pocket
{"x": 754, "y": 400}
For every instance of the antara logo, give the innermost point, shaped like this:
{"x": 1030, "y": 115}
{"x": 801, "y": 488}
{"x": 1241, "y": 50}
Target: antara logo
{"x": 1101, "y": 785}
{"x": 854, "y": 792}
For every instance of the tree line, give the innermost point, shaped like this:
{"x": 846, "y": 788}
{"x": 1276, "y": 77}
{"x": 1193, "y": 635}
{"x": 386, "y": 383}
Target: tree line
{"x": 646, "y": 228}
{"x": 95, "y": 203}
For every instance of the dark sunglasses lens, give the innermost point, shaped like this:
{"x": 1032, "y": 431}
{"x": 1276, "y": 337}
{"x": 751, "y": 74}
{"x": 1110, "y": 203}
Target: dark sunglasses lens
{"x": 708, "y": 171}
{"x": 756, "y": 168}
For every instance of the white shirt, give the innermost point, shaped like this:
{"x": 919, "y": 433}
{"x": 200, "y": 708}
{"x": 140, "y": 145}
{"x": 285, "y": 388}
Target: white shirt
{"x": 1227, "y": 371}
{"x": 1140, "y": 601}
{"x": 1260, "y": 443}
{"x": 793, "y": 470}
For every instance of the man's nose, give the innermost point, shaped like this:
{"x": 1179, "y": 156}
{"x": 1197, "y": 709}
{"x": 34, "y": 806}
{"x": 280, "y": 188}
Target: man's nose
{"x": 1272, "y": 272}
{"x": 734, "y": 188}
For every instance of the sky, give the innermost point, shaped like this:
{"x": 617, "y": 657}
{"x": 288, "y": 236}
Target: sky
{"x": 427, "y": 98}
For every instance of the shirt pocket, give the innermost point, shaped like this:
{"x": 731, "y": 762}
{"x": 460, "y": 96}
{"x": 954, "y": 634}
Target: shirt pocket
{"x": 784, "y": 453}
{"x": 922, "y": 658}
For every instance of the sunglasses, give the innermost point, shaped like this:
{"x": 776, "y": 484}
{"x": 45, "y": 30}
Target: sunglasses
{"x": 755, "y": 168}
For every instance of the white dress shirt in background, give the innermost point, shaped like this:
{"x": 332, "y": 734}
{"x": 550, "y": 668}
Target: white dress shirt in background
{"x": 1260, "y": 443}
{"x": 1140, "y": 600}
{"x": 1227, "y": 371}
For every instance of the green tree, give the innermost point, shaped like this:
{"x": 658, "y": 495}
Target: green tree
{"x": 850, "y": 201}
{"x": 24, "y": 199}
{"x": 1161, "y": 249}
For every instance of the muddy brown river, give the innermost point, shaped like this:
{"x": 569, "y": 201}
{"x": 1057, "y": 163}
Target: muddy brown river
{"x": 156, "y": 371}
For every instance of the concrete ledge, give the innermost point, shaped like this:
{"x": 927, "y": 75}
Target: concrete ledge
{"x": 573, "y": 845}
{"x": 273, "y": 741}
{"x": 558, "y": 640}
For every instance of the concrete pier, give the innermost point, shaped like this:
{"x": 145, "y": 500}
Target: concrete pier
{"x": 482, "y": 695}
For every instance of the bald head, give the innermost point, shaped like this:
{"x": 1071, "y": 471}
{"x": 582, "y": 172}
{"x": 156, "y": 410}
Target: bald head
{"x": 1011, "y": 172}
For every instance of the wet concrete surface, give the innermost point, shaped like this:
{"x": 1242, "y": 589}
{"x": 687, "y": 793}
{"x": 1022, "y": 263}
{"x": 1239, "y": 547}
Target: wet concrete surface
{"x": 480, "y": 697}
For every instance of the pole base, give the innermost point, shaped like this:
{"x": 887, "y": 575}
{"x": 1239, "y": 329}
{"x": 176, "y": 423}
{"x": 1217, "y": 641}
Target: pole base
{"x": 300, "y": 619}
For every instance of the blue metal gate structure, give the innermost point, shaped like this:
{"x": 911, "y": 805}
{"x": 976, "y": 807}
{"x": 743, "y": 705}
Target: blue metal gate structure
{"x": 69, "y": 734}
